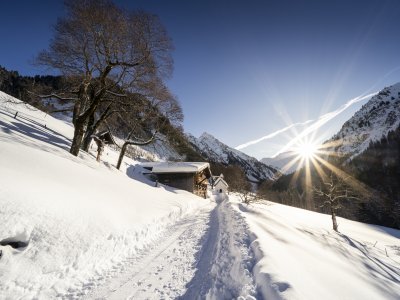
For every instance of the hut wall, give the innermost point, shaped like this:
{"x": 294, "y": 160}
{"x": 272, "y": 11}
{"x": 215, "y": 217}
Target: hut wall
{"x": 179, "y": 181}
{"x": 220, "y": 186}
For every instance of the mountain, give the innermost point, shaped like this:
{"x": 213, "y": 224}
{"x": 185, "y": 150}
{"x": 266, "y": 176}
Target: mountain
{"x": 373, "y": 121}
{"x": 215, "y": 151}
{"x": 283, "y": 162}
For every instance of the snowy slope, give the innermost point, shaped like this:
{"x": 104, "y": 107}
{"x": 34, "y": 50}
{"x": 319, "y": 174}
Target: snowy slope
{"x": 215, "y": 151}
{"x": 72, "y": 219}
{"x": 160, "y": 149}
{"x": 299, "y": 256}
{"x": 373, "y": 121}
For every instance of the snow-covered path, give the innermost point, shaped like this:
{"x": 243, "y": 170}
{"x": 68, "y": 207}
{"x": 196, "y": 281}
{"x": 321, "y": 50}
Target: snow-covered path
{"x": 162, "y": 270}
{"x": 197, "y": 258}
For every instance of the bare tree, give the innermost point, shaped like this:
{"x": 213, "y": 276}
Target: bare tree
{"x": 140, "y": 127}
{"x": 237, "y": 180}
{"x": 246, "y": 194}
{"x": 148, "y": 119}
{"x": 102, "y": 48}
{"x": 332, "y": 191}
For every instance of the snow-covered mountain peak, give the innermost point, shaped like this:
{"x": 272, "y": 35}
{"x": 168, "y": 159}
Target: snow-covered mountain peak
{"x": 216, "y": 151}
{"x": 206, "y": 135}
{"x": 373, "y": 121}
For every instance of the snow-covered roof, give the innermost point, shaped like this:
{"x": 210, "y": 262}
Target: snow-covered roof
{"x": 177, "y": 167}
{"x": 220, "y": 179}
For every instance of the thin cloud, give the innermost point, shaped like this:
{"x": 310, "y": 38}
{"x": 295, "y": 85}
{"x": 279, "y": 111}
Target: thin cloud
{"x": 323, "y": 120}
{"x": 271, "y": 135}
{"x": 313, "y": 127}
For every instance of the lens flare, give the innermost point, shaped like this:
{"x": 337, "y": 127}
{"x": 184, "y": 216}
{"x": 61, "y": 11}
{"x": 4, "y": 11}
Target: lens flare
{"x": 306, "y": 150}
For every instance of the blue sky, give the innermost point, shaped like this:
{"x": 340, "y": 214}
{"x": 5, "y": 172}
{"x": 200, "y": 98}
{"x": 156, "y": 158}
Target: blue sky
{"x": 246, "y": 69}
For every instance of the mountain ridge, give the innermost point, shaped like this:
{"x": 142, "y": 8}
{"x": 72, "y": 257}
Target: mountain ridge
{"x": 216, "y": 151}
{"x": 375, "y": 119}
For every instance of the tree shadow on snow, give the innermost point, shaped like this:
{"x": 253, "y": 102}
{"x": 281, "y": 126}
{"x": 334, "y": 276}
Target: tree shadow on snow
{"x": 370, "y": 262}
{"x": 28, "y": 132}
{"x": 33, "y": 129}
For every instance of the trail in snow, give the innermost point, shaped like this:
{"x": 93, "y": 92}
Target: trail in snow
{"x": 225, "y": 264}
{"x": 206, "y": 255}
{"x": 162, "y": 270}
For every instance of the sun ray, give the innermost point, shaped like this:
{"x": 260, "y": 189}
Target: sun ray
{"x": 297, "y": 172}
{"x": 308, "y": 189}
{"x": 353, "y": 182}
{"x": 291, "y": 163}
{"x": 319, "y": 169}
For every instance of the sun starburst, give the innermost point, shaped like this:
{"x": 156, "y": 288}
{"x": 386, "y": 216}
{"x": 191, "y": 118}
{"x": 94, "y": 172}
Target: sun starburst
{"x": 306, "y": 150}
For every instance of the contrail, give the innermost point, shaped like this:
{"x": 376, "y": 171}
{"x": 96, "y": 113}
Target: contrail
{"x": 271, "y": 135}
{"x": 317, "y": 124}
{"x": 323, "y": 120}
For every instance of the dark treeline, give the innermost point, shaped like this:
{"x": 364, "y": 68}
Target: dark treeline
{"x": 379, "y": 168}
{"x": 19, "y": 86}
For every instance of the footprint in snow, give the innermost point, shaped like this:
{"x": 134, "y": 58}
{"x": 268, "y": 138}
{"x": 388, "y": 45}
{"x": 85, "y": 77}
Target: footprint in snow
{"x": 281, "y": 286}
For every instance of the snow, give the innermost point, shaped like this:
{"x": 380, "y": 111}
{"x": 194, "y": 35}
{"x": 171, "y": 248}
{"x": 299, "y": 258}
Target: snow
{"x": 373, "y": 121}
{"x": 79, "y": 218}
{"x": 84, "y": 230}
{"x": 220, "y": 180}
{"x": 164, "y": 268}
{"x": 299, "y": 256}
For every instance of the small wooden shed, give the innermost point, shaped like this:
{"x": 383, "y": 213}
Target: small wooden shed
{"x": 219, "y": 184}
{"x": 189, "y": 176}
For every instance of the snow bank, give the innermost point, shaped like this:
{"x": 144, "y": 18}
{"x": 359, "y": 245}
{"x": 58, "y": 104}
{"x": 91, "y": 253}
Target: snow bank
{"x": 299, "y": 256}
{"x": 73, "y": 218}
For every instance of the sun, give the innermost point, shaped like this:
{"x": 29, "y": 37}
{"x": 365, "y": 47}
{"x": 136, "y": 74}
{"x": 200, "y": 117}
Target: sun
{"x": 306, "y": 150}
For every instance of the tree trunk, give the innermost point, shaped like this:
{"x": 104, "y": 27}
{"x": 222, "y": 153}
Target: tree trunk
{"x": 78, "y": 136}
{"x": 100, "y": 149}
{"x": 122, "y": 154}
{"x": 88, "y": 135}
{"x": 129, "y": 142}
{"x": 334, "y": 222}
{"x": 93, "y": 126}
{"x": 86, "y": 140}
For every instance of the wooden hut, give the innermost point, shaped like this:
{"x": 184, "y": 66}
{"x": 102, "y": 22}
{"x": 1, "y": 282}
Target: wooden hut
{"x": 219, "y": 184}
{"x": 189, "y": 176}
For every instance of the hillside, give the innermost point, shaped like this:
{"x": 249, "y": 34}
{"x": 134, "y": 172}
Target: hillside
{"x": 72, "y": 219}
{"x": 300, "y": 257}
{"x": 76, "y": 229}
{"x": 373, "y": 121}
{"x": 215, "y": 151}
